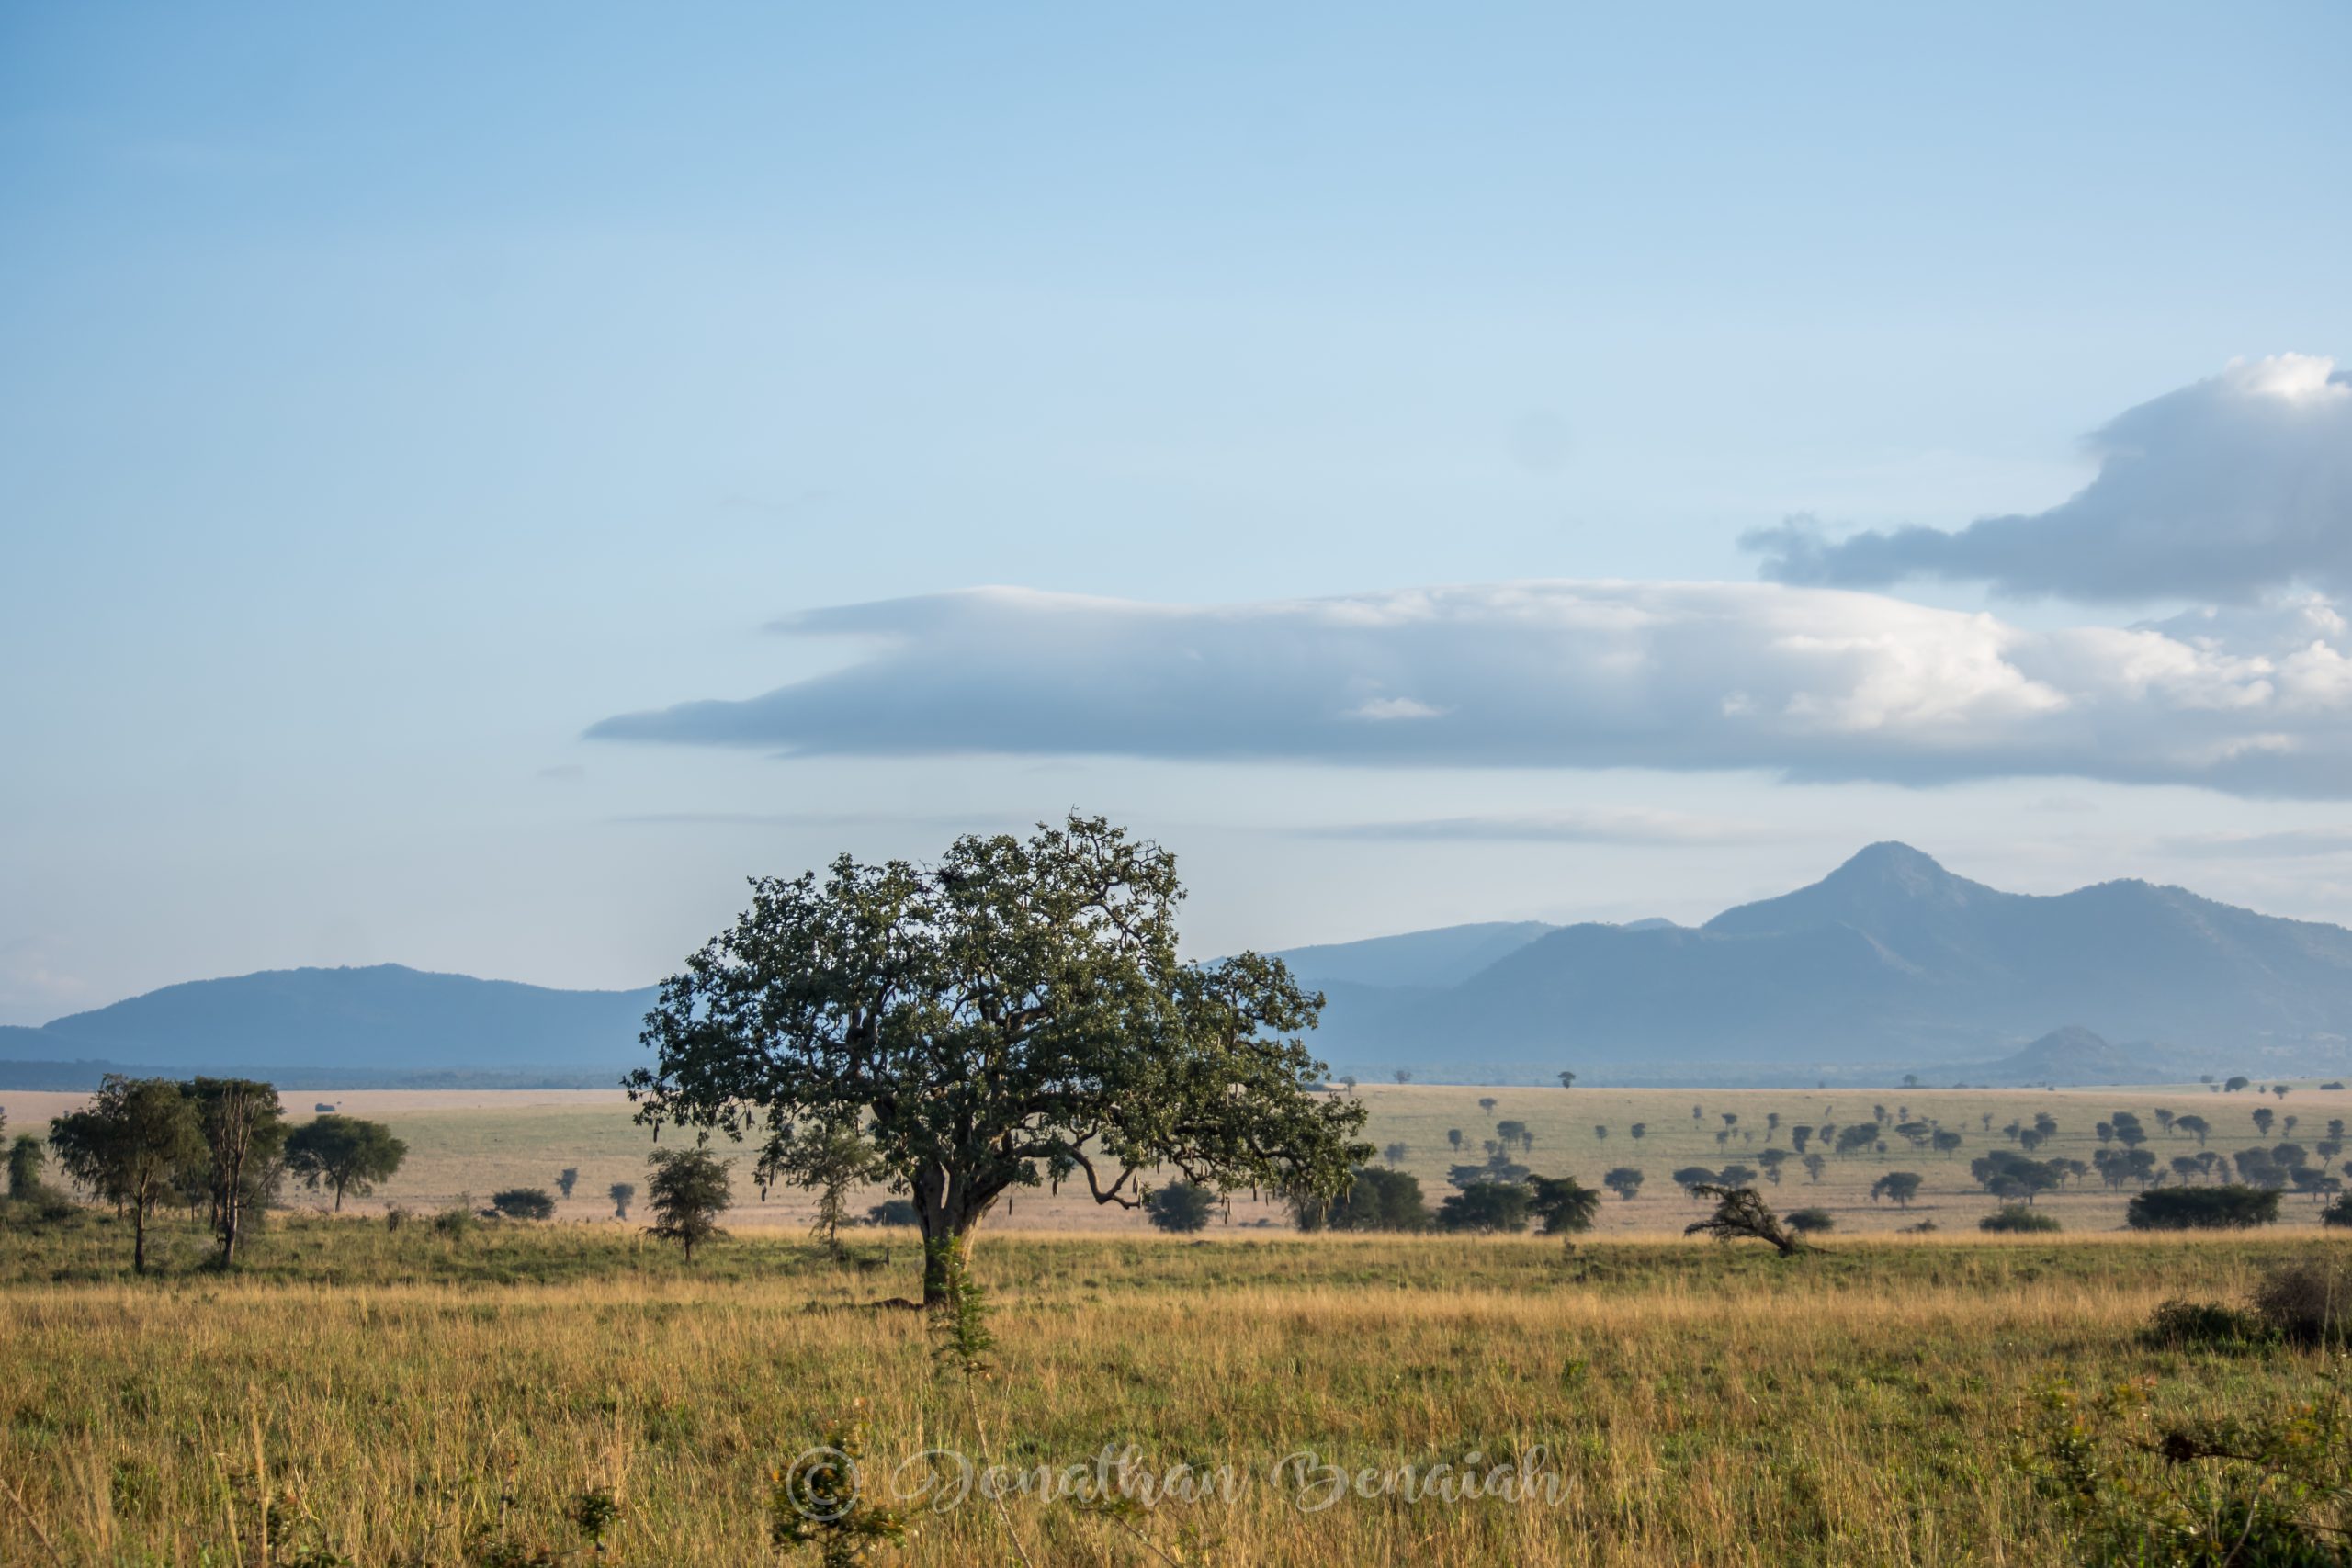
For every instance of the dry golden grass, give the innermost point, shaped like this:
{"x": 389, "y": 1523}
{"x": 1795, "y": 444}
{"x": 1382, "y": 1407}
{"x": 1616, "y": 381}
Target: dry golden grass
{"x": 1698, "y": 1404}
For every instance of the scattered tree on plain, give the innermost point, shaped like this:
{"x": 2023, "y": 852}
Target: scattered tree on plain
{"x": 1017, "y": 1015}
{"x": 1901, "y": 1186}
{"x": 621, "y": 1192}
{"x": 1625, "y": 1180}
{"x": 244, "y": 1131}
{"x": 524, "y": 1203}
{"x": 1565, "y": 1206}
{"x": 128, "y": 1147}
{"x": 345, "y": 1152}
{"x": 1488, "y": 1208}
{"x": 1180, "y": 1206}
{"x": 688, "y": 1190}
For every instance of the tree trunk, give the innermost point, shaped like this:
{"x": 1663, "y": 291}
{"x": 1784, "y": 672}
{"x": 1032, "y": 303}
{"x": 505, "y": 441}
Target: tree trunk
{"x": 949, "y": 1227}
{"x": 139, "y": 1238}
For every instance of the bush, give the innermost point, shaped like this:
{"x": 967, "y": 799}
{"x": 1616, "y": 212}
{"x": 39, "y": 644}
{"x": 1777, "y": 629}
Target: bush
{"x": 1490, "y": 1207}
{"x": 2204, "y": 1326}
{"x": 2338, "y": 1212}
{"x": 524, "y": 1203}
{"x": 1812, "y": 1222}
{"x": 894, "y": 1211}
{"x": 2016, "y": 1217}
{"x": 2308, "y": 1303}
{"x": 2202, "y": 1208}
{"x": 1180, "y": 1206}
{"x": 1377, "y": 1200}
{"x": 457, "y": 1222}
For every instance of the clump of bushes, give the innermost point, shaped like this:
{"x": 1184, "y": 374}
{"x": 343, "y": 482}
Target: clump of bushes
{"x": 1180, "y": 1206}
{"x": 1812, "y": 1222}
{"x": 2202, "y": 1208}
{"x": 2308, "y": 1303}
{"x": 2016, "y": 1217}
{"x": 2204, "y": 1326}
{"x": 524, "y": 1203}
{"x": 1487, "y": 1207}
{"x": 1378, "y": 1200}
{"x": 458, "y": 1221}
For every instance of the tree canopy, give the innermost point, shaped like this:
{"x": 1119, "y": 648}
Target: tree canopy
{"x": 1014, "y": 1015}
{"x": 343, "y": 1154}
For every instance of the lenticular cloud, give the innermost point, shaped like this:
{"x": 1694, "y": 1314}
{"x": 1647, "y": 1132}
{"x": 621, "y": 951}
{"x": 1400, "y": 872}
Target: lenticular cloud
{"x": 1809, "y": 682}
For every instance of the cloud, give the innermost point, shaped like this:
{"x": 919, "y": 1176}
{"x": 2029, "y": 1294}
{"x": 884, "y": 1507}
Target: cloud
{"x": 2293, "y": 843}
{"x": 1814, "y": 684}
{"x": 2221, "y": 490}
{"x": 1572, "y": 825}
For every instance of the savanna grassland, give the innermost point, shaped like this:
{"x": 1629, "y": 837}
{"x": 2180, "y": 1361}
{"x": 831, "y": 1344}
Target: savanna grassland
{"x": 378, "y": 1397}
{"x": 480, "y": 1142}
{"x": 527, "y": 1393}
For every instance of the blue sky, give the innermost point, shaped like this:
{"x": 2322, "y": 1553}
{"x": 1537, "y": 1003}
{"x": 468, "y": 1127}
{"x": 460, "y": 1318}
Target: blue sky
{"x": 390, "y": 396}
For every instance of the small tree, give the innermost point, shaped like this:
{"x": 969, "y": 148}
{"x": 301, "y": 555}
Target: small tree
{"x": 1625, "y": 1180}
{"x": 1395, "y": 1154}
{"x": 1404, "y": 1074}
{"x": 2263, "y": 1117}
{"x": 1900, "y": 1185}
{"x": 345, "y": 1153}
{"x": 1565, "y": 1206}
{"x": 1454, "y": 1137}
{"x": 1487, "y": 1207}
{"x": 2202, "y": 1208}
{"x": 128, "y": 1147}
{"x": 1638, "y": 1131}
{"x": 1180, "y": 1206}
{"x": 25, "y": 1157}
{"x": 244, "y": 1130}
{"x": 1740, "y": 1213}
{"x": 1487, "y": 1103}
{"x": 827, "y": 1160}
{"x": 1567, "y": 1081}
{"x": 524, "y": 1203}
{"x": 621, "y": 1193}
{"x": 567, "y": 1179}
{"x": 1376, "y": 1200}
{"x": 1691, "y": 1178}
{"x": 1811, "y": 1221}
{"x": 688, "y": 1190}
{"x": 1814, "y": 1165}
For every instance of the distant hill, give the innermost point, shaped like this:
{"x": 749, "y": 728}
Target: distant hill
{"x": 1887, "y": 965}
{"x": 2069, "y": 1056}
{"x": 382, "y": 1023}
{"x": 1446, "y": 955}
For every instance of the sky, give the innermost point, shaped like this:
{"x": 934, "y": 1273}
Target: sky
{"x": 476, "y": 483}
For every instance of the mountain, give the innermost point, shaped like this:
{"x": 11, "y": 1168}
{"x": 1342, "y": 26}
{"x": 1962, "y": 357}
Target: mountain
{"x": 1445, "y": 956}
{"x": 380, "y": 1023}
{"x": 1888, "y": 962}
{"x": 2069, "y": 1056}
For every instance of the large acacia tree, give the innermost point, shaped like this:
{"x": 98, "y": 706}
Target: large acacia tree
{"x": 1013, "y": 1016}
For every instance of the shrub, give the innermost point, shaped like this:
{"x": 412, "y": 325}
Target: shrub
{"x": 1180, "y": 1206}
{"x": 2016, "y": 1217}
{"x": 1812, "y": 1222}
{"x": 894, "y": 1211}
{"x": 524, "y": 1203}
{"x": 1488, "y": 1208}
{"x": 1567, "y": 1205}
{"x": 2338, "y": 1212}
{"x": 457, "y": 1222}
{"x": 2202, "y": 1208}
{"x": 2308, "y": 1303}
{"x": 2204, "y": 1326}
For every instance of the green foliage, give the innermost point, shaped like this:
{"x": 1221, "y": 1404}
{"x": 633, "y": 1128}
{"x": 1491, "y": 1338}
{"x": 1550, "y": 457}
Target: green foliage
{"x": 1017, "y": 1014}
{"x": 2205, "y": 1325}
{"x": 245, "y": 1139}
{"x": 2016, "y": 1217}
{"x": 2133, "y": 1488}
{"x": 1376, "y": 1200}
{"x": 2202, "y": 1208}
{"x": 1901, "y": 1186}
{"x": 343, "y": 1153}
{"x": 1565, "y": 1206}
{"x": 1812, "y": 1222}
{"x": 1691, "y": 1178}
{"x": 688, "y": 1191}
{"x": 1741, "y": 1214}
{"x": 827, "y": 1159}
{"x": 1488, "y": 1208}
{"x": 24, "y": 1159}
{"x": 524, "y": 1203}
{"x": 135, "y": 1142}
{"x": 1180, "y": 1206}
{"x": 819, "y": 1501}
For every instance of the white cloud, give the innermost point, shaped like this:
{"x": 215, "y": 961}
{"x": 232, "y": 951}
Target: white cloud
{"x": 1573, "y": 825}
{"x": 1814, "y": 683}
{"x": 2222, "y": 490}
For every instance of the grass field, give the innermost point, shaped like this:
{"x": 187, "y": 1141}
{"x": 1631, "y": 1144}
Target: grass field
{"x": 480, "y": 1142}
{"x": 374, "y": 1398}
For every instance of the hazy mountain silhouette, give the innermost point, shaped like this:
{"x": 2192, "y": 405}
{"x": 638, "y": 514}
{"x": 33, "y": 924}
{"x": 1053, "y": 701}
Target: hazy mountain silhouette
{"x": 1890, "y": 962}
{"x": 2069, "y": 1056}
{"x": 377, "y": 1022}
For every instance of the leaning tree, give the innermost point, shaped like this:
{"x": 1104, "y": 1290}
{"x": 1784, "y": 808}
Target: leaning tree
{"x": 1013, "y": 1016}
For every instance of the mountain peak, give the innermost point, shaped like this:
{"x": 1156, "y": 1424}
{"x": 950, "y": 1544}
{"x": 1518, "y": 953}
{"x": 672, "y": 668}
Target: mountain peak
{"x": 1890, "y": 859}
